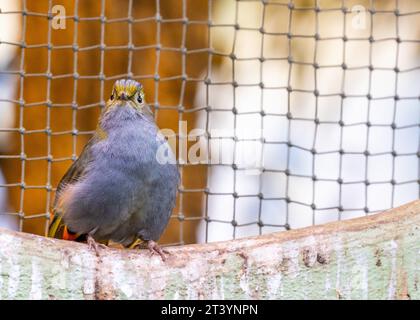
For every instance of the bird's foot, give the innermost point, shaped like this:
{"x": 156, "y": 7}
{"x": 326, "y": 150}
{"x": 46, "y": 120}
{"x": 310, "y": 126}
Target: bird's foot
{"x": 95, "y": 246}
{"x": 155, "y": 248}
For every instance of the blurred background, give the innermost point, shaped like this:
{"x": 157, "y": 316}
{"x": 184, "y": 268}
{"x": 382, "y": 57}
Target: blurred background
{"x": 299, "y": 112}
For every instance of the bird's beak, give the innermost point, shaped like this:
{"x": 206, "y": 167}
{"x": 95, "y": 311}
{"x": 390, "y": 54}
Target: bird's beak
{"x": 123, "y": 96}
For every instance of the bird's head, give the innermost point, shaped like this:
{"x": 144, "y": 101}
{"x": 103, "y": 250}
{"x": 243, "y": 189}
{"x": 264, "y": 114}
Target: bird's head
{"x": 127, "y": 92}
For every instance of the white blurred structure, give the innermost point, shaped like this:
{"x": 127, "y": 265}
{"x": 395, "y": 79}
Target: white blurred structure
{"x": 343, "y": 68}
{"x": 10, "y": 32}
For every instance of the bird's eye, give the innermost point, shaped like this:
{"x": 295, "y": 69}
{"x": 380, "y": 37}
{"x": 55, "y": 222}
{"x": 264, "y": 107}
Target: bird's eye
{"x": 112, "y": 97}
{"x": 139, "y": 99}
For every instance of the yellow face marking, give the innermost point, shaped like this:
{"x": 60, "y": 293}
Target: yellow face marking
{"x": 126, "y": 89}
{"x": 127, "y": 92}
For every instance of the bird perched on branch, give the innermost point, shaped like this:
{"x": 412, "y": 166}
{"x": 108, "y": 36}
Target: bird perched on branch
{"x": 119, "y": 189}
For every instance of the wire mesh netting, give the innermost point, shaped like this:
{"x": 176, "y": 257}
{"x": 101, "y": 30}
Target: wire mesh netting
{"x": 288, "y": 113}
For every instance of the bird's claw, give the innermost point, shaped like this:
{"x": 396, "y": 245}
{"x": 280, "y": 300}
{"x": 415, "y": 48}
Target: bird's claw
{"x": 95, "y": 246}
{"x": 155, "y": 248}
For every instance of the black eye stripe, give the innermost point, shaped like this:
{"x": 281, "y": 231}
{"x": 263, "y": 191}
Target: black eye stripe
{"x": 139, "y": 99}
{"x": 112, "y": 97}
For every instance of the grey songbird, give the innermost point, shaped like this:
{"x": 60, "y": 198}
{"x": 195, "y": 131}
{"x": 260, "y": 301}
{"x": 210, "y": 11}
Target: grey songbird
{"x": 123, "y": 186}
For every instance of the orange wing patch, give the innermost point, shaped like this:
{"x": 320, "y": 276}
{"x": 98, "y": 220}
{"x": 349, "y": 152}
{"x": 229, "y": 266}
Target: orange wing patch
{"x": 67, "y": 235}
